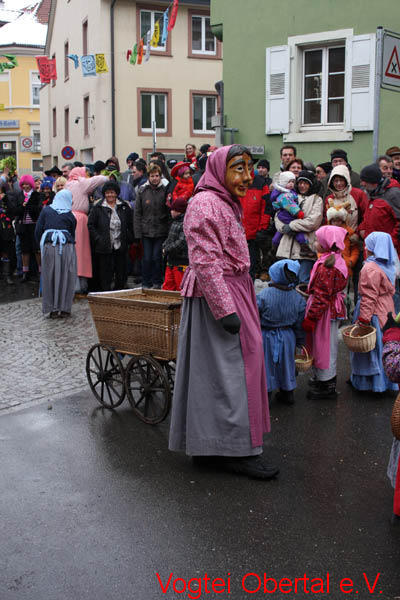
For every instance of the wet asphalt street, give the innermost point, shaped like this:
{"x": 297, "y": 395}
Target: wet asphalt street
{"x": 93, "y": 505}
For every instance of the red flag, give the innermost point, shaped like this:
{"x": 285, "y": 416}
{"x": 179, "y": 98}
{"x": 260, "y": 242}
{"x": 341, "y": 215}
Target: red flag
{"x": 174, "y": 12}
{"x": 47, "y": 68}
{"x": 140, "y": 52}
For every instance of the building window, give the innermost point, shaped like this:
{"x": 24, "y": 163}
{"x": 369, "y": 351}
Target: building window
{"x": 37, "y": 165}
{"x": 85, "y": 38}
{"x": 54, "y": 122}
{"x": 320, "y": 86}
{"x": 87, "y": 155}
{"x": 66, "y": 125}
{"x": 148, "y": 18}
{"x": 53, "y": 81}
{"x": 36, "y": 140}
{"x": 323, "y": 85}
{"x": 203, "y": 40}
{"x": 203, "y": 109}
{"x": 66, "y": 61}
{"x": 86, "y": 116}
{"x": 154, "y": 108}
{"x": 35, "y": 89}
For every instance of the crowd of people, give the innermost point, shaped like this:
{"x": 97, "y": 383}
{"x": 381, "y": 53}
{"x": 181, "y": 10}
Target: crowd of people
{"x": 325, "y": 238}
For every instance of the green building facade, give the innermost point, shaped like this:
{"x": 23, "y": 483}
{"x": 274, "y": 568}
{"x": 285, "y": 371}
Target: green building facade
{"x": 303, "y": 72}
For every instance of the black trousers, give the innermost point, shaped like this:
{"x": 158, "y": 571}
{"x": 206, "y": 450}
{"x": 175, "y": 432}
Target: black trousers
{"x": 109, "y": 266}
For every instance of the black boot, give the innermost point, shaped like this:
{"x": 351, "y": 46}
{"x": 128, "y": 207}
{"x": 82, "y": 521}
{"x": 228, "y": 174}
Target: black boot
{"x": 253, "y": 467}
{"x": 285, "y": 396}
{"x": 323, "y": 390}
{"x": 25, "y": 277}
{"x": 7, "y": 272}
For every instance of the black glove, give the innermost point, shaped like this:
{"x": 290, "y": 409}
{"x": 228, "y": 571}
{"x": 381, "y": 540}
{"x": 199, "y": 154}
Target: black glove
{"x": 231, "y": 323}
{"x": 286, "y": 230}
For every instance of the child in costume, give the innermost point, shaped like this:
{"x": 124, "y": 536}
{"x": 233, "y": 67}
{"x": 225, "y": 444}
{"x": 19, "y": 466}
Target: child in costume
{"x": 391, "y": 364}
{"x": 175, "y": 248}
{"x": 284, "y": 201}
{"x": 337, "y": 217}
{"x": 281, "y": 310}
{"x": 325, "y": 309}
{"x": 376, "y": 289}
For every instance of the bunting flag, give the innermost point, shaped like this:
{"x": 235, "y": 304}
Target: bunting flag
{"x": 156, "y": 35}
{"x": 88, "y": 63}
{"x": 101, "y": 65}
{"x": 75, "y": 58}
{"x": 174, "y": 12}
{"x": 128, "y": 55}
{"x": 165, "y": 28}
{"x": 140, "y": 52}
{"x": 148, "y": 42}
{"x": 47, "y": 68}
{"x": 134, "y": 54}
{"x": 11, "y": 64}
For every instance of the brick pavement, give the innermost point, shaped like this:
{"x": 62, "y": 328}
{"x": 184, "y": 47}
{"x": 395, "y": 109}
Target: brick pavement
{"x": 42, "y": 358}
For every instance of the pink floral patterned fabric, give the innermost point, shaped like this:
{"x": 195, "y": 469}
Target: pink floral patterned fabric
{"x": 217, "y": 247}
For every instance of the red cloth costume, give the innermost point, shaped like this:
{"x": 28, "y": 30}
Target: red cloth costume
{"x": 183, "y": 189}
{"x": 253, "y": 205}
{"x": 380, "y": 216}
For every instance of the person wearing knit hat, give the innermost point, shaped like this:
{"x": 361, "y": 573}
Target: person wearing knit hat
{"x": 128, "y": 174}
{"x": 284, "y": 201}
{"x": 30, "y": 203}
{"x": 263, "y": 168}
{"x": 98, "y": 167}
{"x": 371, "y": 174}
{"x": 175, "y": 248}
{"x": 184, "y": 187}
{"x": 339, "y": 157}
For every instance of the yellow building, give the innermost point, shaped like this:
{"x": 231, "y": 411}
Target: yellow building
{"x": 24, "y": 38}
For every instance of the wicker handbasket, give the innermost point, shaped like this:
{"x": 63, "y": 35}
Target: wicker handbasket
{"x": 363, "y": 342}
{"x": 395, "y": 420}
{"x": 303, "y": 360}
{"x": 138, "y": 321}
{"x": 302, "y": 290}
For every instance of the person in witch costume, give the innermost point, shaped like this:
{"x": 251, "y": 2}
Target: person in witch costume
{"x": 220, "y": 406}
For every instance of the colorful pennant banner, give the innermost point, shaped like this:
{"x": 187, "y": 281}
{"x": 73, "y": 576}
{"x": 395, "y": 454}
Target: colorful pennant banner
{"x": 101, "y": 65}
{"x": 47, "y": 68}
{"x": 75, "y": 58}
{"x": 88, "y": 64}
{"x": 11, "y": 64}
{"x": 174, "y": 13}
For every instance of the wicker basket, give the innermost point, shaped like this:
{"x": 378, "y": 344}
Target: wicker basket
{"x": 303, "y": 360}
{"x": 395, "y": 420}
{"x": 365, "y": 342}
{"x": 302, "y": 290}
{"x": 138, "y": 321}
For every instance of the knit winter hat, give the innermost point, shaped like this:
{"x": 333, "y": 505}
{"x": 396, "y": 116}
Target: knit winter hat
{"x": 264, "y": 163}
{"x": 371, "y": 174}
{"x": 99, "y": 166}
{"x": 338, "y": 153}
{"x": 179, "y": 205}
{"x": 337, "y": 213}
{"x": 132, "y": 156}
{"x": 111, "y": 185}
{"x": 26, "y": 179}
{"x": 285, "y": 177}
{"x": 180, "y": 168}
{"x": 47, "y": 182}
{"x": 306, "y": 176}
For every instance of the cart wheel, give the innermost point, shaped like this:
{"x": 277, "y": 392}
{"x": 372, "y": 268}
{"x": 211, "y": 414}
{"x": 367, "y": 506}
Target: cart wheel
{"x": 170, "y": 368}
{"x": 147, "y": 389}
{"x": 105, "y": 375}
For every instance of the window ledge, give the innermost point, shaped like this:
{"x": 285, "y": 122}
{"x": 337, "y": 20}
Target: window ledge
{"x": 336, "y": 135}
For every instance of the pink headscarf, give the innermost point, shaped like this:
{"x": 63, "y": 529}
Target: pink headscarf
{"x": 213, "y": 179}
{"x": 327, "y": 236}
{"x": 76, "y": 173}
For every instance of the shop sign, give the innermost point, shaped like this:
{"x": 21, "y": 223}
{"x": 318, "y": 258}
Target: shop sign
{"x": 9, "y": 124}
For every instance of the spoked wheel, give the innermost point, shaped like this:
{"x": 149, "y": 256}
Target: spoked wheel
{"x": 147, "y": 389}
{"x": 105, "y": 375}
{"x": 170, "y": 368}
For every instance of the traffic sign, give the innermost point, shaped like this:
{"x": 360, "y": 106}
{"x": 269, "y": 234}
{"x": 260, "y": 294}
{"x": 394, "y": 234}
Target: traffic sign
{"x": 68, "y": 152}
{"x": 391, "y": 60}
{"x": 26, "y": 144}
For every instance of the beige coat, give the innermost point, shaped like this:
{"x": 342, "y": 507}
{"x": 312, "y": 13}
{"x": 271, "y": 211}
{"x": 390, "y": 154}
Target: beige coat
{"x": 345, "y": 197}
{"x": 312, "y": 206}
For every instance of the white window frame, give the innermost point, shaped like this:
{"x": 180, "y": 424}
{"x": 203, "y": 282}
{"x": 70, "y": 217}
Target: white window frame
{"x": 36, "y": 129}
{"x": 308, "y": 133}
{"x": 203, "y": 37}
{"x": 324, "y": 94}
{"x": 152, "y": 23}
{"x": 204, "y": 113}
{"x": 32, "y": 74}
{"x": 152, "y": 117}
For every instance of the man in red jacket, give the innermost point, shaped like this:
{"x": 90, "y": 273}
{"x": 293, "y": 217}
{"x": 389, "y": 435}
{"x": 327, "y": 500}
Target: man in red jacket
{"x": 254, "y": 218}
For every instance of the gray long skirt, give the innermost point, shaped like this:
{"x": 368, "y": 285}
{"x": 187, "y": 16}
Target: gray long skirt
{"x": 209, "y": 408}
{"x": 58, "y": 278}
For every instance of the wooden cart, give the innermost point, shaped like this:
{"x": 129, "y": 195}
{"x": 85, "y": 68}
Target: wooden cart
{"x": 135, "y": 356}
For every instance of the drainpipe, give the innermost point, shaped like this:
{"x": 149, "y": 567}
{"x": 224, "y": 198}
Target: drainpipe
{"x": 113, "y": 2}
{"x": 219, "y": 86}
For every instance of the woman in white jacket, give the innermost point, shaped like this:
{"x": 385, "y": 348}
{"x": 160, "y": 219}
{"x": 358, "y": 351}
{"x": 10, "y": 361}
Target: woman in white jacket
{"x": 312, "y": 206}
